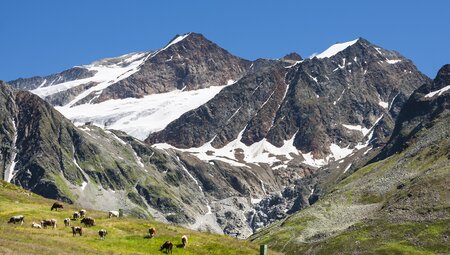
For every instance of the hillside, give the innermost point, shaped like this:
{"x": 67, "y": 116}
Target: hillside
{"x": 399, "y": 204}
{"x": 45, "y": 153}
{"x": 125, "y": 235}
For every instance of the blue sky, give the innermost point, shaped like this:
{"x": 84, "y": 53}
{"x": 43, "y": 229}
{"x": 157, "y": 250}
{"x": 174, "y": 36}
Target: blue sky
{"x": 48, "y": 36}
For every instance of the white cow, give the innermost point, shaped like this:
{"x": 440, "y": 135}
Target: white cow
{"x": 113, "y": 214}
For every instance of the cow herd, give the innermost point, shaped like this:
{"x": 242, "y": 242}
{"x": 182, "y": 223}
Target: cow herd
{"x": 89, "y": 222}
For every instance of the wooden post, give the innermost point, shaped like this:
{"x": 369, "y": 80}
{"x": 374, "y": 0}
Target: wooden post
{"x": 263, "y": 249}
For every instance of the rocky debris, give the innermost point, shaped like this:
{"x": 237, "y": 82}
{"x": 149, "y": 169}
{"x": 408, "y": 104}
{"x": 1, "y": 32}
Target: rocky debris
{"x": 231, "y": 214}
{"x": 278, "y": 205}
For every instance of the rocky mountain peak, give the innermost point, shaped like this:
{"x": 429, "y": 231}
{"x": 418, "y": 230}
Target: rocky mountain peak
{"x": 293, "y": 56}
{"x": 187, "y": 62}
{"x": 359, "y": 49}
{"x": 188, "y": 42}
{"x": 443, "y": 77}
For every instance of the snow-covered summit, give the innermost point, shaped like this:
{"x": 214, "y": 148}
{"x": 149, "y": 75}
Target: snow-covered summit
{"x": 176, "y": 40}
{"x": 335, "y": 49}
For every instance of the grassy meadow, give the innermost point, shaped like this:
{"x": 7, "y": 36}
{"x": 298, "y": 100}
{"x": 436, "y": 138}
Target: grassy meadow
{"x": 125, "y": 235}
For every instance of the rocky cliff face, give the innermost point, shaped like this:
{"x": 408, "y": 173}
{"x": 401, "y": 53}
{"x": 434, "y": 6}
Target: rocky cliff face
{"x": 429, "y": 102}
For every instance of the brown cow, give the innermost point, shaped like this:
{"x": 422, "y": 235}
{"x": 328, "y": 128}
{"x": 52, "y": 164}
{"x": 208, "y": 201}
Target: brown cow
{"x": 184, "y": 241}
{"x": 168, "y": 246}
{"x": 152, "y": 232}
{"x": 88, "y": 221}
{"x": 77, "y": 230}
{"x": 46, "y": 223}
{"x": 56, "y": 206}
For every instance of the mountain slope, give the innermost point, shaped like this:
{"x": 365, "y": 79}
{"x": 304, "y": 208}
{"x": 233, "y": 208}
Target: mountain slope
{"x": 126, "y": 235}
{"x": 399, "y": 204}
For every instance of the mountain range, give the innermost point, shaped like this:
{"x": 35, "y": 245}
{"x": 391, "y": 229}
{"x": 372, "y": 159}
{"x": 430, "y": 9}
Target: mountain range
{"x": 194, "y": 135}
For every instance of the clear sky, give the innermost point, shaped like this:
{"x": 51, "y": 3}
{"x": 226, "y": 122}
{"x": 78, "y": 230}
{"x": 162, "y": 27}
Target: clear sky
{"x": 48, "y": 36}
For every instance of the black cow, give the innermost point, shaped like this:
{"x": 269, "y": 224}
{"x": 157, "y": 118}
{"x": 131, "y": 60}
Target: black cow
{"x": 88, "y": 222}
{"x": 56, "y": 206}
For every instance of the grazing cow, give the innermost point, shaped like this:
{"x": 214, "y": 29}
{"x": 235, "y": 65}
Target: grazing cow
{"x": 184, "y": 241}
{"x": 46, "y": 223}
{"x": 82, "y": 213}
{"x": 36, "y": 225}
{"x": 152, "y": 232}
{"x": 66, "y": 222}
{"x": 56, "y": 206}
{"x": 113, "y": 214}
{"x": 168, "y": 246}
{"x": 88, "y": 221}
{"x": 102, "y": 233}
{"x": 16, "y": 219}
{"x": 77, "y": 230}
{"x": 76, "y": 215}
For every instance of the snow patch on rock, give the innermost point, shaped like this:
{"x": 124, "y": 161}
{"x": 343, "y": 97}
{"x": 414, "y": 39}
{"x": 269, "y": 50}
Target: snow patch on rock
{"x": 9, "y": 174}
{"x": 335, "y": 49}
{"x": 359, "y": 128}
{"x": 438, "y": 92}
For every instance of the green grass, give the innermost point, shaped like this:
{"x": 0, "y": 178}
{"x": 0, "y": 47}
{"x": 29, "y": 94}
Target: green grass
{"x": 125, "y": 235}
